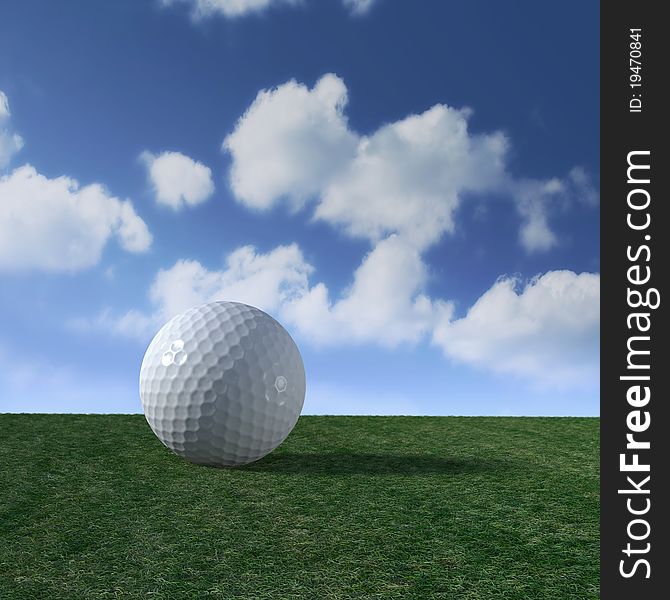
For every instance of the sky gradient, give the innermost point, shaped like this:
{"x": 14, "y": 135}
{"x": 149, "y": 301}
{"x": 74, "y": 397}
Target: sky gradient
{"x": 410, "y": 188}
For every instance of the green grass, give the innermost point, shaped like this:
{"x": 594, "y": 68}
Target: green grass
{"x": 348, "y": 507}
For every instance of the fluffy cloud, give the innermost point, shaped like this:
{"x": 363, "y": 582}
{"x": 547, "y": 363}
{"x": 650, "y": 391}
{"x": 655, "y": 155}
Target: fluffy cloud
{"x": 263, "y": 280}
{"x": 267, "y": 281}
{"x": 289, "y": 142}
{"x": 10, "y": 143}
{"x": 384, "y": 304}
{"x": 56, "y": 225}
{"x": 406, "y": 178}
{"x": 409, "y": 176}
{"x": 178, "y": 180}
{"x": 546, "y": 331}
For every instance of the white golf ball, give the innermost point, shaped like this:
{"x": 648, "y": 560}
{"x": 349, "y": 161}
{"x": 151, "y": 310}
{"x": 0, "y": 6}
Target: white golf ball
{"x": 222, "y": 384}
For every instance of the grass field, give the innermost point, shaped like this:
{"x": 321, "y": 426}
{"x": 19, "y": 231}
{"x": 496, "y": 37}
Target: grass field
{"x": 348, "y": 507}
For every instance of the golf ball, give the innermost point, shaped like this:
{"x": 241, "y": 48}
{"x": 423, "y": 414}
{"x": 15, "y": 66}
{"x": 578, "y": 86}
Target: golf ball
{"x": 222, "y": 384}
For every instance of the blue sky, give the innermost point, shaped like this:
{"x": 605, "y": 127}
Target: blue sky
{"x": 410, "y": 188}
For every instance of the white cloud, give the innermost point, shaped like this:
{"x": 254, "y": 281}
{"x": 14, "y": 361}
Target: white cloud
{"x": 289, "y": 142}
{"x": 267, "y": 281}
{"x": 56, "y": 225}
{"x": 201, "y": 9}
{"x": 547, "y": 331}
{"x": 582, "y": 187}
{"x": 178, "y": 180}
{"x": 10, "y": 143}
{"x": 4, "y": 106}
{"x": 384, "y": 304}
{"x": 537, "y": 200}
{"x": 533, "y": 199}
{"x": 262, "y": 280}
{"x": 408, "y": 177}
{"x": 359, "y": 7}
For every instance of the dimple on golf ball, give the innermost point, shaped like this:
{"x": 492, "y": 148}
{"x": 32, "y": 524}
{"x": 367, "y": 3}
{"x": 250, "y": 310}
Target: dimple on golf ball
{"x": 222, "y": 384}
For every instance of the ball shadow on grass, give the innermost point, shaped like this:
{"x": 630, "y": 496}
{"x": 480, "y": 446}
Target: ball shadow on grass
{"x": 350, "y": 462}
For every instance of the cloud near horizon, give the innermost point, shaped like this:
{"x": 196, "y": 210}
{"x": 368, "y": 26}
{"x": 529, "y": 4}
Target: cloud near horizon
{"x": 545, "y": 331}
